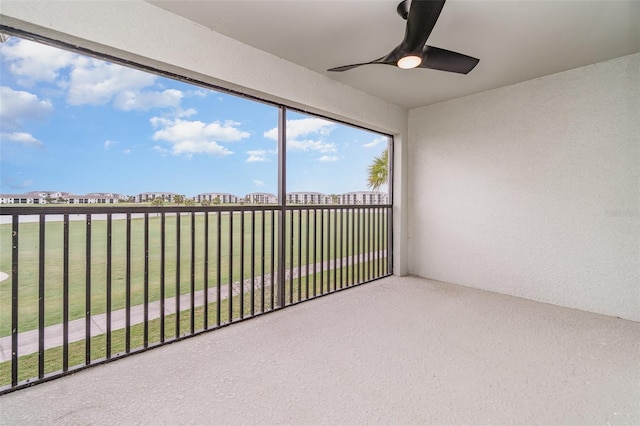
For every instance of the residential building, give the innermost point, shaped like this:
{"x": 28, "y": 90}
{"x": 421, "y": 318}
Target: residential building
{"x": 364, "y": 197}
{"x": 308, "y": 198}
{"x": 221, "y": 197}
{"x": 261, "y": 198}
{"x": 147, "y": 197}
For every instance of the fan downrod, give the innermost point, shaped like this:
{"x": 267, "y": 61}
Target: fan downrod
{"x": 403, "y": 9}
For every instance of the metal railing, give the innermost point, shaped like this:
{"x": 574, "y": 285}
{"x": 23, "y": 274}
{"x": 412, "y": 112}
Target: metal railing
{"x": 86, "y": 285}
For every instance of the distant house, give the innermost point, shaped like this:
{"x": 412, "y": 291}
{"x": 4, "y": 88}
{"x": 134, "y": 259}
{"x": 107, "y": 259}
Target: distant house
{"x": 94, "y": 198}
{"x": 33, "y": 197}
{"x": 364, "y": 197}
{"x": 223, "y": 198}
{"x": 9, "y": 199}
{"x": 261, "y": 198}
{"x": 147, "y": 197}
{"x": 308, "y": 198}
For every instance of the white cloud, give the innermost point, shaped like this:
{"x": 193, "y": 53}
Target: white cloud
{"x": 32, "y": 62}
{"x": 95, "y": 82}
{"x": 376, "y": 141}
{"x": 18, "y": 105}
{"x": 22, "y": 138}
{"x": 300, "y": 135}
{"x": 259, "y": 155}
{"x": 258, "y": 183}
{"x": 160, "y": 150}
{"x": 108, "y": 144}
{"x": 198, "y": 93}
{"x": 302, "y": 127}
{"x": 88, "y": 81}
{"x": 194, "y": 137}
{"x": 127, "y": 151}
{"x": 328, "y": 158}
{"x": 310, "y": 145}
{"x": 143, "y": 101}
{"x": 184, "y": 112}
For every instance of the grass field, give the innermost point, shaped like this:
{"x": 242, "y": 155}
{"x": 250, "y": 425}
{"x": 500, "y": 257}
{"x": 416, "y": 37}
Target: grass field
{"x": 236, "y": 240}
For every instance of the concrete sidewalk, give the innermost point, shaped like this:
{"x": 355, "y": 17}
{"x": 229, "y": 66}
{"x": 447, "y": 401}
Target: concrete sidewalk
{"x": 53, "y": 335}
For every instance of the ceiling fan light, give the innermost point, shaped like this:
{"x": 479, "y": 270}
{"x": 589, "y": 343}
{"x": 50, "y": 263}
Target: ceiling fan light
{"x": 408, "y": 62}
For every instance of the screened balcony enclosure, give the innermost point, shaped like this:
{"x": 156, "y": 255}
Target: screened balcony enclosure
{"x": 95, "y": 277}
{"x": 200, "y": 224}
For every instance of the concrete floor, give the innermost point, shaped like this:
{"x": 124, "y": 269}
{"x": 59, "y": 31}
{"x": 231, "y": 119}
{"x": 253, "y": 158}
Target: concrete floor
{"x": 396, "y": 351}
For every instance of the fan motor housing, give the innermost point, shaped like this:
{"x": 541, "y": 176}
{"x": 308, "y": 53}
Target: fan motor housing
{"x": 403, "y": 9}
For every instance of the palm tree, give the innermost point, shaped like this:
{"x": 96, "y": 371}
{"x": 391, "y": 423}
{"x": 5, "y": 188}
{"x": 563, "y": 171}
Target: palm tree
{"x": 178, "y": 199}
{"x": 379, "y": 171}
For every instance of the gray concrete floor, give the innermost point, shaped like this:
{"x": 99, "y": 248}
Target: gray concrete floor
{"x": 396, "y": 351}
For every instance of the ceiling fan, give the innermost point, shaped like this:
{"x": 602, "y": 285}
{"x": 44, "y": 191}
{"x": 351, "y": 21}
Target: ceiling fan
{"x": 413, "y": 52}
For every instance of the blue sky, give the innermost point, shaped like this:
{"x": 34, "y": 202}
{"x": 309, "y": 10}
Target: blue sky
{"x": 77, "y": 124}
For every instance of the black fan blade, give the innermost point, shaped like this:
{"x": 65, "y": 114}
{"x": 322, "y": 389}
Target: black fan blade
{"x": 423, "y": 15}
{"x": 421, "y": 19}
{"x": 349, "y": 67}
{"x": 445, "y": 60}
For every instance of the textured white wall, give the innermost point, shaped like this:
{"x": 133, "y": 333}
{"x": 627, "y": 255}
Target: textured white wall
{"x": 140, "y": 32}
{"x": 533, "y": 189}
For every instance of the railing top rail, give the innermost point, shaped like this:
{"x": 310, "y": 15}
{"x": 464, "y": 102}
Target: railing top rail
{"x": 334, "y": 206}
{"x": 58, "y": 210}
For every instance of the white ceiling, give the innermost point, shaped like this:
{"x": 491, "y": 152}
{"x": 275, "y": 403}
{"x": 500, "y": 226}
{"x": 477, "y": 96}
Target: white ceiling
{"x": 516, "y": 40}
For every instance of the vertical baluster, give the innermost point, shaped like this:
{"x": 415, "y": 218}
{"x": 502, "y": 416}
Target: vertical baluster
{"x": 41, "y": 296}
{"x": 368, "y": 222}
{"x": 87, "y": 293}
{"x": 273, "y": 257}
{"x": 108, "y": 284}
{"x": 177, "y": 295}
{"x": 374, "y": 227}
{"x": 162, "y": 274}
{"x": 315, "y": 251}
{"x": 379, "y": 245}
{"x": 242, "y": 215}
{"x": 353, "y": 245}
{"x": 206, "y": 272}
{"x": 308, "y": 249}
{"x": 128, "y": 287}
{"x": 263, "y": 256}
{"x": 253, "y": 261}
{"x": 321, "y": 263}
{"x": 145, "y": 333}
{"x": 388, "y": 246}
{"x": 335, "y": 249}
{"x": 299, "y": 255}
{"x": 230, "y": 286}
{"x": 341, "y": 247}
{"x": 291, "y": 243}
{"x": 358, "y": 246}
{"x": 14, "y": 298}
{"x": 192, "y": 273}
{"x": 218, "y": 266}
{"x": 65, "y": 294}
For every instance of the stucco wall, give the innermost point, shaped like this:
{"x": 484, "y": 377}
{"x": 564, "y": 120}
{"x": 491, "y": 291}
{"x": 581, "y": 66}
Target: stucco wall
{"x": 533, "y": 189}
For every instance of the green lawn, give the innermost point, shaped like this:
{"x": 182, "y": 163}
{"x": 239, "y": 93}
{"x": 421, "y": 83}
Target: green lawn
{"x": 296, "y": 254}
